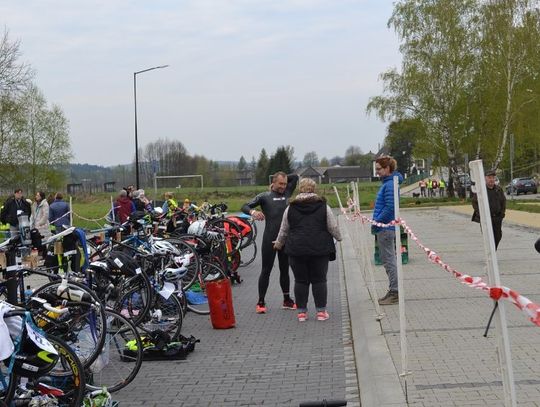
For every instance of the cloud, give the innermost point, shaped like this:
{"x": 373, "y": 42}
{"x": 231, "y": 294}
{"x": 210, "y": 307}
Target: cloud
{"x": 276, "y": 71}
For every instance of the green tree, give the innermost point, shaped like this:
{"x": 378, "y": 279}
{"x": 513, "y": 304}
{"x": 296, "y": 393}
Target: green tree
{"x": 261, "y": 172}
{"x": 401, "y": 141}
{"x": 439, "y": 40}
{"x": 324, "y": 162}
{"x": 42, "y": 142}
{"x": 242, "y": 164}
{"x": 281, "y": 161}
{"x": 506, "y": 79}
{"x": 353, "y": 155}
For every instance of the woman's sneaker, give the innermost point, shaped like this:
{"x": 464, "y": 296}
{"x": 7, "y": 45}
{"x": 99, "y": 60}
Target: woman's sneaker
{"x": 322, "y": 315}
{"x": 289, "y": 304}
{"x": 302, "y": 316}
{"x": 260, "y": 308}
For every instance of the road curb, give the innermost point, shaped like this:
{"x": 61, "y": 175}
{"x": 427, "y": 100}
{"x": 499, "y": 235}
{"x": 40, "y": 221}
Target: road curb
{"x": 378, "y": 378}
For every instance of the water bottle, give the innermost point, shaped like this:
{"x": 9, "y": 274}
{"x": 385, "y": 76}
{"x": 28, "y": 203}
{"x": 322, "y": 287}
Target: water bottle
{"x": 24, "y": 227}
{"x": 28, "y": 292}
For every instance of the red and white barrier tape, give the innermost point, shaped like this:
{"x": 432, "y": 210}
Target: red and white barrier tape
{"x": 529, "y": 308}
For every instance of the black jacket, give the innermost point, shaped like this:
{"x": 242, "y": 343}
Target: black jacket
{"x": 497, "y": 204}
{"x": 308, "y": 231}
{"x": 9, "y": 211}
{"x": 272, "y": 205}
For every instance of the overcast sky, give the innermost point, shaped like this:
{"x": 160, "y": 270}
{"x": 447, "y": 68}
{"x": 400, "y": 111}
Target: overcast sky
{"x": 243, "y": 74}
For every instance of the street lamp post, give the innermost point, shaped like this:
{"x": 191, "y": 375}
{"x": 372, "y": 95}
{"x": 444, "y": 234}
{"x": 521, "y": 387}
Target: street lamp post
{"x": 136, "y": 136}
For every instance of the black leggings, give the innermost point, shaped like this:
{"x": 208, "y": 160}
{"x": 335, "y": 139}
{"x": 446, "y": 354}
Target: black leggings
{"x": 268, "y": 256}
{"x": 310, "y": 270}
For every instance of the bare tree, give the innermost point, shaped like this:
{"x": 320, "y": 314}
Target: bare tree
{"x": 14, "y": 75}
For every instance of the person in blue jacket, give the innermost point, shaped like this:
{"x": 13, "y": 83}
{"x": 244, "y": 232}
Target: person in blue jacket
{"x": 59, "y": 213}
{"x": 384, "y": 213}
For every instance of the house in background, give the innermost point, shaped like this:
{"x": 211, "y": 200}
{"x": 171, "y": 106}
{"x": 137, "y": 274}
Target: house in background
{"x": 315, "y": 173}
{"x": 245, "y": 177}
{"x": 347, "y": 174}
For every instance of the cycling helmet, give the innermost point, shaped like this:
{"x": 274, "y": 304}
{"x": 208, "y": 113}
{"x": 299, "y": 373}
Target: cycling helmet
{"x": 173, "y": 275}
{"x": 32, "y": 361}
{"x": 164, "y": 247}
{"x": 197, "y": 228}
{"x": 99, "y": 266}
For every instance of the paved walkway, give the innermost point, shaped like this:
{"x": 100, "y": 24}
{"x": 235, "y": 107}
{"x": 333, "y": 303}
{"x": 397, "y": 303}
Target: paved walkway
{"x": 273, "y": 360}
{"x": 267, "y": 360}
{"x": 452, "y": 363}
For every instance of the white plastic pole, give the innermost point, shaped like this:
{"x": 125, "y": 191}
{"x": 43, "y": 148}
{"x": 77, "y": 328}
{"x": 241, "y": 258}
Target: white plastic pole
{"x": 501, "y": 329}
{"x": 70, "y": 211}
{"x": 367, "y": 257}
{"x": 112, "y": 210}
{"x": 401, "y": 288}
{"x": 339, "y": 199}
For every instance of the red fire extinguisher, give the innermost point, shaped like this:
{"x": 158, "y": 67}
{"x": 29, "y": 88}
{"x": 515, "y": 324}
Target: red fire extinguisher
{"x": 220, "y": 302}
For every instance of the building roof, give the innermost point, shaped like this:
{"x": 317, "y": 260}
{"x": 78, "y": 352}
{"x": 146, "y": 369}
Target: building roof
{"x": 310, "y": 171}
{"x": 349, "y": 172}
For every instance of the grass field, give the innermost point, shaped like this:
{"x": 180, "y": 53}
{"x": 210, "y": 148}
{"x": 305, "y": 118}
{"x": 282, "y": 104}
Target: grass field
{"x": 90, "y": 210}
{"x": 97, "y": 206}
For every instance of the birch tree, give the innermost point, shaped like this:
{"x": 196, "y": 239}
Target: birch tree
{"x": 438, "y": 47}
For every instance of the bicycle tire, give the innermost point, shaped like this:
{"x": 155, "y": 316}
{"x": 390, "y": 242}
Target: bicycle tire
{"x": 89, "y": 345}
{"x": 195, "y": 262}
{"x": 67, "y": 375}
{"x": 105, "y": 371}
{"x": 6, "y": 393}
{"x": 171, "y": 319}
{"x": 232, "y": 232}
{"x": 132, "y": 297}
{"x": 209, "y": 271}
{"x": 248, "y": 254}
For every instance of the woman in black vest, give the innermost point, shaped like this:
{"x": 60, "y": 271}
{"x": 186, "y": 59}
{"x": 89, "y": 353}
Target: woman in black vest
{"x": 307, "y": 229}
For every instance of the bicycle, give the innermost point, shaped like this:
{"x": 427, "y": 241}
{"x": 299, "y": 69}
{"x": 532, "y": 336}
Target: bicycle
{"x": 49, "y": 366}
{"x": 83, "y": 319}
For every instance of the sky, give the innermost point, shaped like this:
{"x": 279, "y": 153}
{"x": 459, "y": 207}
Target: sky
{"x": 243, "y": 74}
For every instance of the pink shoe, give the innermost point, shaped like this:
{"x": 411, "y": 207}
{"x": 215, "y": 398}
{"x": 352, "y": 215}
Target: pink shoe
{"x": 322, "y": 315}
{"x": 302, "y": 316}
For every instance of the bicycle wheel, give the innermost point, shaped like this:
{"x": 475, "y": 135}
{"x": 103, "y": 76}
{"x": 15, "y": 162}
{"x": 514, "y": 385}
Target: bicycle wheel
{"x": 121, "y": 357}
{"x": 165, "y": 315}
{"x": 231, "y": 231}
{"x": 98, "y": 251}
{"x": 248, "y": 254}
{"x": 197, "y": 246}
{"x": 65, "y": 381}
{"x": 188, "y": 246}
{"x": 130, "y": 296}
{"x": 197, "y": 303}
{"x": 7, "y": 385}
{"x": 82, "y": 328}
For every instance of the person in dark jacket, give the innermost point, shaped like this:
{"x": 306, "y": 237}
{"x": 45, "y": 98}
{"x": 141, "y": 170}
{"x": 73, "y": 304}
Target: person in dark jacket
{"x": 384, "y": 213}
{"x": 273, "y": 204}
{"x": 307, "y": 231}
{"x": 123, "y": 206}
{"x": 10, "y": 211}
{"x": 59, "y": 213}
{"x": 497, "y": 206}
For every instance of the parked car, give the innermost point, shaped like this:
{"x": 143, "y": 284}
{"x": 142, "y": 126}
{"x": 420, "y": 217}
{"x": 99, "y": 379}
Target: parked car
{"x": 522, "y": 186}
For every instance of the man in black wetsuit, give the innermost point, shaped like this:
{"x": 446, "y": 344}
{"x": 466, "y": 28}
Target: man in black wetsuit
{"x": 273, "y": 204}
